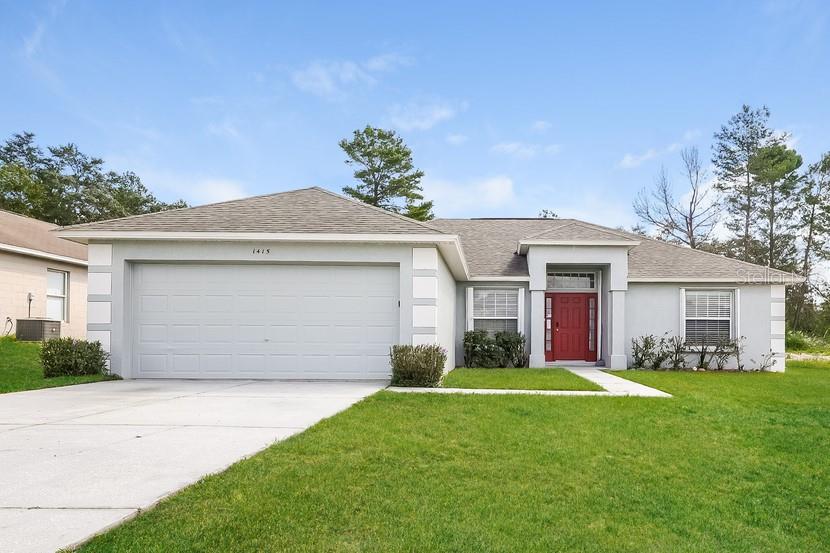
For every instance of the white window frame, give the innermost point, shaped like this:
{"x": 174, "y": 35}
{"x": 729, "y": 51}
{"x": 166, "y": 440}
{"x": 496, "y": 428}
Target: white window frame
{"x": 734, "y": 326}
{"x": 596, "y": 287}
{"x": 63, "y": 297}
{"x": 520, "y": 310}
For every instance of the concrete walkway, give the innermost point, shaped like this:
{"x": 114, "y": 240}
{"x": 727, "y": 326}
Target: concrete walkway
{"x": 614, "y": 386}
{"x": 79, "y": 459}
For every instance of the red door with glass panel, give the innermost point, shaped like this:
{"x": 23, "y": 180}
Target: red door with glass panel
{"x": 570, "y": 327}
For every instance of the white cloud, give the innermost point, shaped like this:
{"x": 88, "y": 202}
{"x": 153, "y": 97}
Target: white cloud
{"x": 456, "y": 139}
{"x": 331, "y": 79}
{"x": 523, "y": 150}
{"x": 631, "y": 161}
{"x": 171, "y": 185}
{"x": 790, "y": 140}
{"x": 206, "y": 191}
{"x": 489, "y": 195}
{"x": 195, "y": 190}
{"x": 420, "y": 116}
{"x": 31, "y": 43}
{"x": 327, "y": 79}
{"x": 387, "y": 62}
{"x": 540, "y": 125}
{"x": 224, "y": 129}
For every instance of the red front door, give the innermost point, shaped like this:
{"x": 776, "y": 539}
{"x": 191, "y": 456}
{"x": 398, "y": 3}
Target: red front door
{"x": 570, "y": 327}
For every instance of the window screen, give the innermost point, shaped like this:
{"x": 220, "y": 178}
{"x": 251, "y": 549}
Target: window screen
{"x": 709, "y": 317}
{"x": 496, "y": 309}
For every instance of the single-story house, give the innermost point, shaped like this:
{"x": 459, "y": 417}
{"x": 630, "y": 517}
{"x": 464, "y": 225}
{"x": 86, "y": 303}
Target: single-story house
{"x": 307, "y": 284}
{"x": 38, "y": 265}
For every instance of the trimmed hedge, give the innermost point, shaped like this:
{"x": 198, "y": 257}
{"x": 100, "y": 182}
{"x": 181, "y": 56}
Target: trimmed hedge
{"x": 417, "y": 365}
{"x": 501, "y": 350}
{"x": 72, "y": 357}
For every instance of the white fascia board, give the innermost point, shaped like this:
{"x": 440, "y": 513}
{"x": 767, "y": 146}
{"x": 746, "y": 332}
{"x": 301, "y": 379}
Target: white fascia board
{"x": 42, "y": 254}
{"x": 454, "y": 257}
{"x": 713, "y": 280}
{"x": 499, "y": 279}
{"x": 449, "y": 244}
{"x": 525, "y": 244}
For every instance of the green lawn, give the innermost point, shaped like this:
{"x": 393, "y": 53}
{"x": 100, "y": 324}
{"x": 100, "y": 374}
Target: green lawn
{"x": 517, "y": 379}
{"x": 20, "y": 368}
{"x": 734, "y": 462}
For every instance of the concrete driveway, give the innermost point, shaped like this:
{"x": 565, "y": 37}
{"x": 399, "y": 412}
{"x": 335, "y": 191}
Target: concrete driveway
{"x": 78, "y": 459}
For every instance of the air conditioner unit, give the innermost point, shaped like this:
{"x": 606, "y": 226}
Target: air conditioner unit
{"x": 37, "y": 330}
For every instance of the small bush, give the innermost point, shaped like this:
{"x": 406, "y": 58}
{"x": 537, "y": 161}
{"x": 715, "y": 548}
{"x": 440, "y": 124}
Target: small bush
{"x": 511, "y": 346}
{"x": 417, "y": 365}
{"x": 677, "y": 352}
{"x": 480, "y": 350}
{"x": 803, "y": 342}
{"x": 72, "y": 357}
{"x": 502, "y": 350}
{"x": 643, "y": 351}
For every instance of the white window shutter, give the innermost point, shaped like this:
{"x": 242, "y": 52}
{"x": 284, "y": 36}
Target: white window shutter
{"x": 736, "y": 315}
{"x": 470, "y": 323}
{"x": 521, "y": 322}
{"x": 683, "y": 314}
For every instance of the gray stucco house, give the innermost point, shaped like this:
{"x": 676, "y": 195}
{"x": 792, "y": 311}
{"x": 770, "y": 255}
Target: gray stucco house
{"x": 308, "y": 284}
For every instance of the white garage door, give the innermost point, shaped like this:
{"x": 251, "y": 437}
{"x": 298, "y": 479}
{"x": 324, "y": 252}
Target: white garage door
{"x": 263, "y": 321}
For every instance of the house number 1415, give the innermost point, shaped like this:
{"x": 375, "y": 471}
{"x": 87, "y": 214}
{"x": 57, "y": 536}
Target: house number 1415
{"x": 261, "y": 251}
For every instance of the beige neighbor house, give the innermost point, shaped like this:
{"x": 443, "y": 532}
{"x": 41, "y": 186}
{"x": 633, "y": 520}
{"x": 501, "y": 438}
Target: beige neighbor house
{"x": 307, "y": 284}
{"x": 33, "y": 260}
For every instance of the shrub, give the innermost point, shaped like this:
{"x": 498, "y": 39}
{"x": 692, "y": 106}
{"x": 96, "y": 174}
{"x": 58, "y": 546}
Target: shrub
{"x": 801, "y": 341}
{"x": 480, "y": 350}
{"x": 417, "y": 365}
{"x": 72, "y": 357}
{"x": 723, "y": 351}
{"x": 677, "y": 353}
{"x": 503, "y": 350}
{"x": 511, "y": 346}
{"x": 643, "y": 350}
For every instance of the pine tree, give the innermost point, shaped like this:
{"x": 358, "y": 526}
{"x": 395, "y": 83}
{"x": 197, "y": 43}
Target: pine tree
{"x": 386, "y": 174}
{"x": 735, "y": 145}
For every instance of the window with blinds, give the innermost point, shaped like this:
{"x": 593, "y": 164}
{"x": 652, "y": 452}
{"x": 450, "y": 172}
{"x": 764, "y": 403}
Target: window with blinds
{"x": 496, "y": 309}
{"x": 709, "y": 316}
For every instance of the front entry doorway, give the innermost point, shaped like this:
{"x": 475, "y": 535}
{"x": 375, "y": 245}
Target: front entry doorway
{"x": 570, "y": 326}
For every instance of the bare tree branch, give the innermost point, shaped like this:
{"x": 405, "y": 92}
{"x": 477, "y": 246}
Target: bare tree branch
{"x": 688, "y": 221}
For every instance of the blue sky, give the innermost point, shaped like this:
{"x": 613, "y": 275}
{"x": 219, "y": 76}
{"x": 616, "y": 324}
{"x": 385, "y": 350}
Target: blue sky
{"x": 508, "y": 109}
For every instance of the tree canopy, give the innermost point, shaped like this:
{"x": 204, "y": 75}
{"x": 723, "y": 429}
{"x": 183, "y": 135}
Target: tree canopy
{"x": 386, "y": 174}
{"x": 65, "y": 186}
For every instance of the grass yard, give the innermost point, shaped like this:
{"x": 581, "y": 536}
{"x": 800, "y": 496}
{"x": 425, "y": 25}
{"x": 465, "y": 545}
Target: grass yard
{"x": 517, "y": 379}
{"x": 20, "y": 368}
{"x": 734, "y": 462}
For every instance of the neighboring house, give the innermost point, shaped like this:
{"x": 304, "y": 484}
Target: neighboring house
{"x": 308, "y": 284}
{"x": 53, "y": 270}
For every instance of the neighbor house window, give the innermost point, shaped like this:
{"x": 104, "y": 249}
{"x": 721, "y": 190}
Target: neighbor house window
{"x": 709, "y": 316}
{"x": 571, "y": 281}
{"x": 494, "y": 309}
{"x": 57, "y": 295}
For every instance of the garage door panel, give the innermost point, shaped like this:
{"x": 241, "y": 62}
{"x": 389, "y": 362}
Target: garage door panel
{"x": 217, "y": 334}
{"x": 264, "y": 321}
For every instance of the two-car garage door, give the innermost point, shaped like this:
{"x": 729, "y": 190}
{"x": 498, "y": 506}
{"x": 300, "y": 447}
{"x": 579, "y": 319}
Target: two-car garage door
{"x": 263, "y": 321}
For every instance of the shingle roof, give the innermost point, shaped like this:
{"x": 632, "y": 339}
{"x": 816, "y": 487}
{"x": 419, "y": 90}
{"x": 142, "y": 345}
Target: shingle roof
{"x": 490, "y": 248}
{"x": 25, "y": 232}
{"x": 308, "y": 210}
{"x": 489, "y": 245}
{"x": 578, "y": 230}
